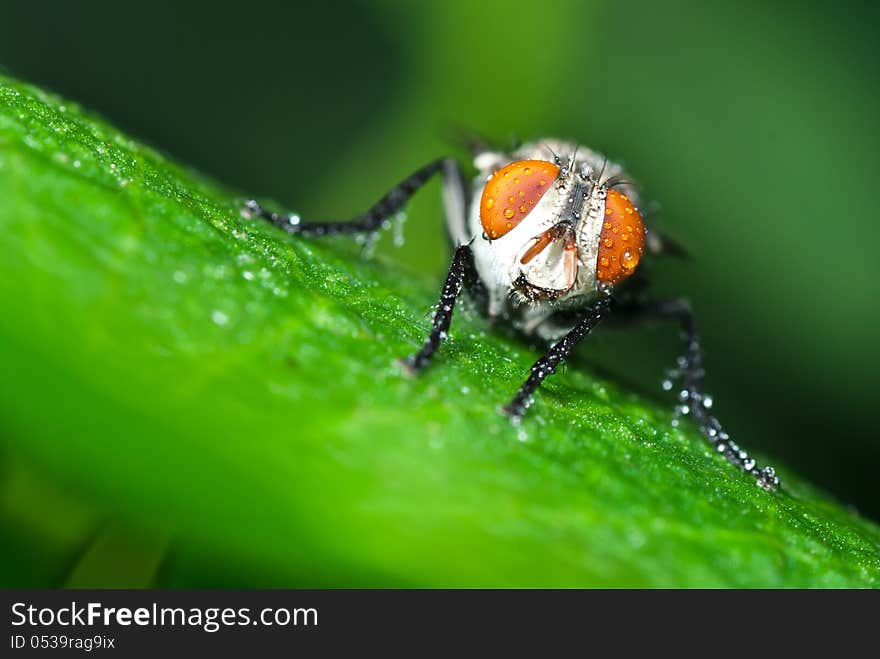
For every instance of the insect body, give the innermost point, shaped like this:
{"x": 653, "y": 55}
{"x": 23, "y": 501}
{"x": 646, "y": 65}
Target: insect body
{"x": 548, "y": 240}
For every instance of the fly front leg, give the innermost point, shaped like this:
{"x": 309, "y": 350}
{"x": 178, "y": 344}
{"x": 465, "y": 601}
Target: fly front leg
{"x": 547, "y": 364}
{"x": 693, "y": 401}
{"x": 369, "y": 223}
{"x": 448, "y": 296}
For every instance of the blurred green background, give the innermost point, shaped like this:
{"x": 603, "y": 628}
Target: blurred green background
{"x": 752, "y": 128}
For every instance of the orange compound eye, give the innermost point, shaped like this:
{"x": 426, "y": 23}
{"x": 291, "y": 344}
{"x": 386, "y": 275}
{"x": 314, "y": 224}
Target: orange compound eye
{"x": 512, "y": 193}
{"x": 622, "y": 241}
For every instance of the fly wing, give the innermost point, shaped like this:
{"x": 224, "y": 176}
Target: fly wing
{"x": 663, "y": 244}
{"x": 455, "y": 203}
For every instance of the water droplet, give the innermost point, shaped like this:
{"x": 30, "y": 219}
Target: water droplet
{"x": 511, "y": 199}
{"x": 398, "y": 238}
{"x": 603, "y": 262}
{"x": 527, "y": 171}
{"x": 609, "y": 243}
{"x": 523, "y": 208}
{"x": 707, "y": 402}
{"x": 490, "y": 202}
{"x": 667, "y": 385}
{"x": 508, "y": 213}
{"x": 629, "y": 260}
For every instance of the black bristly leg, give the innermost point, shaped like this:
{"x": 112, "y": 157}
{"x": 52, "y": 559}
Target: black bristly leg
{"x": 554, "y": 357}
{"x": 461, "y": 270}
{"x": 693, "y": 401}
{"x": 368, "y": 223}
{"x": 450, "y": 293}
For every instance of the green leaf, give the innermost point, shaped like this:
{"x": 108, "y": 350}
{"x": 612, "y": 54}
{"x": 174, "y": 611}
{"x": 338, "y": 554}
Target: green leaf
{"x": 232, "y": 391}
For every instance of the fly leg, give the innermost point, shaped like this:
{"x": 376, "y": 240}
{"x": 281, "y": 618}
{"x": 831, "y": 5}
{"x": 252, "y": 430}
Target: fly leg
{"x": 451, "y": 290}
{"x": 692, "y": 400}
{"x": 368, "y": 223}
{"x": 548, "y": 363}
